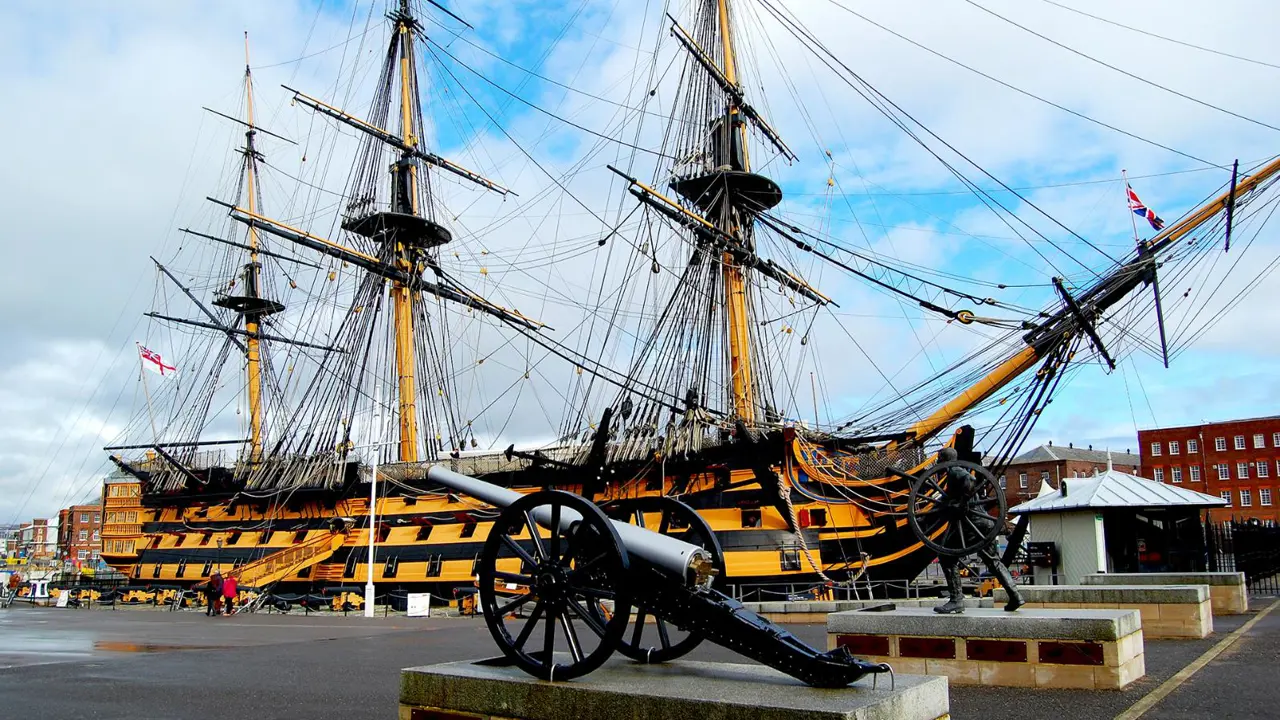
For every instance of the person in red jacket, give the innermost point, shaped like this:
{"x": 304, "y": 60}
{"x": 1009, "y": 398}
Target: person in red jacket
{"x": 229, "y": 593}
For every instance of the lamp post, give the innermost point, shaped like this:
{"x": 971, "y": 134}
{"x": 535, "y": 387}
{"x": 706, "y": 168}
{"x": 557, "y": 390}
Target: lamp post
{"x": 369, "y": 593}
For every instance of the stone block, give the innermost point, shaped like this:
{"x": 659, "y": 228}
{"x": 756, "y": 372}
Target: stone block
{"x": 1093, "y": 595}
{"x": 1065, "y": 677}
{"x": 1090, "y": 624}
{"x": 1007, "y": 674}
{"x": 1227, "y": 589}
{"x": 957, "y": 672}
{"x": 1117, "y": 678}
{"x": 675, "y": 691}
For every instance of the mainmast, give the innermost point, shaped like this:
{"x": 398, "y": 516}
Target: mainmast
{"x": 405, "y": 201}
{"x": 735, "y": 291}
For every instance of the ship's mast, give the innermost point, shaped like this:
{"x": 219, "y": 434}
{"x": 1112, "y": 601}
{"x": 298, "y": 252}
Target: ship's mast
{"x": 253, "y": 312}
{"x": 735, "y": 290}
{"x": 406, "y": 201}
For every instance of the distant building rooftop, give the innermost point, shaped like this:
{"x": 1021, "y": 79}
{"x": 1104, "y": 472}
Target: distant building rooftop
{"x": 1114, "y": 489}
{"x": 1054, "y": 453}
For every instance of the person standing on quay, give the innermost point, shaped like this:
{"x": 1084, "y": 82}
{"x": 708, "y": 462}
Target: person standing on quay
{"x": 229, "y": 591}
{"x": 213, "y": 593}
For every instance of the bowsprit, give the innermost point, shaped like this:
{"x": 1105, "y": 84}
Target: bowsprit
{"x": 559, "y": 580}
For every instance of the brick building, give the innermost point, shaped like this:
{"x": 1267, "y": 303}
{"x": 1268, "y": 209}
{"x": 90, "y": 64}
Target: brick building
{"x": 37, "y": 540}
{"x": 1050, "y": 463}
{"x": 1237, "y": 460}
{"x": 80, "y": 534}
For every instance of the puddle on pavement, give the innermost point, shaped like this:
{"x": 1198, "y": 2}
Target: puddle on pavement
{"x": 135, "y": 647}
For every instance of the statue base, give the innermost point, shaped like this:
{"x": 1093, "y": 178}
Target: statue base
{"x": 1087, "y": 649}
{"x": 1168, "y": 611}
{"x": 678, "y": 690}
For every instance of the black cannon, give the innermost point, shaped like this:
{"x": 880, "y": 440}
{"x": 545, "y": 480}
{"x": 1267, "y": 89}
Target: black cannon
{"x": 559, "y": 579}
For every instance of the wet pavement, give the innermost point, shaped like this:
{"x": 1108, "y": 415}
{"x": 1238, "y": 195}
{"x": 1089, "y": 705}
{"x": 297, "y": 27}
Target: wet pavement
{"x": 156, "y": 664}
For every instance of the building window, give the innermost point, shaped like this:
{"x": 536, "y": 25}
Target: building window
{"x": 1224, "y": 473}
{"x": 1259, "y": 441}
{"x": 1226, "y": 495}
{"x": 1155, "y": 449}
{"x": 1264, "y": 496}
{"x": 1275, "y": 440}
{"x": 1044, "y": 476}
{"x": 95, "y": 536}
{"x": 1239, "y": 442}
{"x": 1193, "y": 446}
{"x": 1177, "y": 474}
{"x": 84, "y": 517}
{"x": 1264, "y": 468}
{"x": 1242, "y": 471}
{"x": 1195, "y": 473}
{"x": 1022, "y": 479}
{"x": 1174, "y": 447}
{"x": 1220, "y": 444}
{"x": 1246, "y": 498}
{"x": 1159, "y": 474}
{"x": 1004, "y": 481}
{"x": 82, "y": 554}
{"x": 84, "y": 535}
{"x": 97, "y": 517}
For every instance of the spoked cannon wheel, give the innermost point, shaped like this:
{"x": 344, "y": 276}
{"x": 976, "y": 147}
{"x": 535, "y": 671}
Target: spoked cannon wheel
{"x": 661, "y": 641}
{"x": 956, "y": 507}
{"x": 555, "y": 559}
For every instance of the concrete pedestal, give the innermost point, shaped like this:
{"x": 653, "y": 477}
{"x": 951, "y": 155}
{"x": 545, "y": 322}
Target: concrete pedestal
{"x": 816, "y": 611}
{"x": 680, "y": 690}
{"x": 1228, "y": 594}
{"x": 1168, "y": 611}
{"x": 1094, "y": 649}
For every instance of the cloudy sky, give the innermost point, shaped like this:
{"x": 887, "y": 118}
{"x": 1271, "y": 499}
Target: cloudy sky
{"x": 108, "y": 152}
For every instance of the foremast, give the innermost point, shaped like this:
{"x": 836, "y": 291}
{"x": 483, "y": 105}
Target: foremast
{"x": 252, "y": 277}
{"x": 405, "y": 200}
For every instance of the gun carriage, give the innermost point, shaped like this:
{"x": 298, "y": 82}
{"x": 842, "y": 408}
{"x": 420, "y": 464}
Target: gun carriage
{"x": 559, "y": 580}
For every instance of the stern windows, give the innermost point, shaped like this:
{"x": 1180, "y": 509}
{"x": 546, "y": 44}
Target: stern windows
{"x": 750, "y": 517}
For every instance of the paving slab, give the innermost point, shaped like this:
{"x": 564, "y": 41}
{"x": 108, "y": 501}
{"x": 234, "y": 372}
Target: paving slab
{"x": 679, "y": 690}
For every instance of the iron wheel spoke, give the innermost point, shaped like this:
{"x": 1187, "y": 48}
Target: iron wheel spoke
{"x": 529, "y": 625}
{"x": 665, "y": 524}
{"x": 571, "y": 635}
{"x": 515, "y": 547}
{"x": 533, "y": 533}
{"x": 662, "y": 633}
{"x": 959, "y": 525}
{"x": 635, "y": 634}
{"x": 933, "y": 485}
{"x": 549, "y": 639}
{"x": 593, "y": 592}
{"x": 511, "y": 577}
{"x": 514, "y": 604}
{"x": 591, "y": 622}
{"x": 981, "y": 534}
{"x": 555, "y": 532}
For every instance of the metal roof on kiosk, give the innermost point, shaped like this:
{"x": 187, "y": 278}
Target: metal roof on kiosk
{"x": 1114, "y": 489}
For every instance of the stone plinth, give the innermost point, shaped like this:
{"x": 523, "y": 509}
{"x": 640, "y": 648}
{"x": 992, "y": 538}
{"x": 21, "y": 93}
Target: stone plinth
{"x": 1094, "y": 649}
{"x": 681, "y": 690}
{"x": 1228, "y": 593}
{"x": 1168, "y": 611}
{"x": 816, "y": 611}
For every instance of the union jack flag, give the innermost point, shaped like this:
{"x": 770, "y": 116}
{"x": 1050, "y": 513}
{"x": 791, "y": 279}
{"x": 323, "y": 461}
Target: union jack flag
{"x": 1143, "y": 211}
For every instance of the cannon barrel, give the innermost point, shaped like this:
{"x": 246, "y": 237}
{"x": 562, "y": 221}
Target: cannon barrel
{"x": 688, "y": 562}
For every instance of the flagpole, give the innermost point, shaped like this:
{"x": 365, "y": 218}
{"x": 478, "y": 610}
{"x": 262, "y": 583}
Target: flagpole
{"x": 146, "y": 390}
{"x": 1132, "y": 215}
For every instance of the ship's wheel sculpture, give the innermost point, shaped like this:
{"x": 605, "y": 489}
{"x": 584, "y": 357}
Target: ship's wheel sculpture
{"x": 956, "y": 508}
